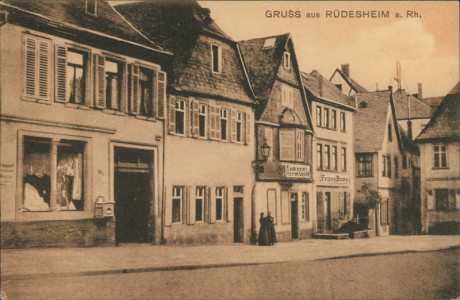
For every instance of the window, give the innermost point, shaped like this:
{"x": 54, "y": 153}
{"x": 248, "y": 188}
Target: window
{"x": 269, "y": 43}
{"x": 202, "y": 120}
{"x": 113, "y": 78}
{"x": 343, "y": 154}
{"x": 364, "y": 164}
{"x": 223, "y": 124}
{"x": 269, "y": 139}
{"x": 342, "y": 122}
{"x": 326, "y": 118}
{"x": 327, "y": 157}
{"x": 287, "y": 95}
{"x": 216, "y": 58}
{"x": 239, "y": 126}
{"x": 219, "y": 204}
{"x": 440, "y": 156}
{"x": 390, "y": 134}
{"x": 146, "y": 91}
{"x": 404, "y": 161}
{"x": 91, "y": 7}
{"x": 45, "y": 171}
{"x": 199, "y": 204}
{"x": 319, "y": 156}
{"x": 291, "y": 144}
{"x": 334, "y": 119}
{"x": 396, "y": 162}
{"x": 387, "y": 161}
{"x": 445, "y": 199}
{"x": 318, "y": 116}
{"x": 305, "y": 206}
{"x": 37, "y": 65}
{"x": 287, "y": 60}
{"x": 334, "y": 158}
{"x": 180, "y": 116}
{"x": 178, "y": 193}
{"x": 76, "y": 76}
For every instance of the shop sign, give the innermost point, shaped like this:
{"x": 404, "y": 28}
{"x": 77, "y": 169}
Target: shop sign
{"x": 6, "y": 174}
{"x": 343, "y": 179}
{"x": 297, "y": 171}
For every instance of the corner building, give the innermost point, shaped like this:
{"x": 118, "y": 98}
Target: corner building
{"x": 283, "y": 178}
{"x": 83, "y": 99}
{"x": 209, "y": 126}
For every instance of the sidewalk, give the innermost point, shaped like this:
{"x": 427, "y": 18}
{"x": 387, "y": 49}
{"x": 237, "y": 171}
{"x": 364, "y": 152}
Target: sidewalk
{"x": 38, "y": 263}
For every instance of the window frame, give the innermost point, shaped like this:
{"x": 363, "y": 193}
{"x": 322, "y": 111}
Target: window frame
{"x": 216, "y": 62}
{"x": 224, "y": 116}
{"x": 222, "y": 198}
{"x": 343, "y": 159}
{"x": 200, "y": 195}
{"x": 367, "y": 161}
{"x": 343, "y": 124}
{"x": 121, "y": 72}
{"x": 202, "y": 114}
{"x": 326, "y": 118}
{"x": 295, "y": 144}
{"x": 287, "y": 96}
{"x": 333, "y": 119}
{"x": 287, "y": 60}
{"x": 319, "y": 116}
{"x": 334, "y": 158}
{"x": 319, "y": 156}
{"x": 440, "y": 156}
{"x": 182, "y": 110}
{"x": 178, "y": 197}
{"x": 239, "y": 126}
{"x": 390, "y": 133}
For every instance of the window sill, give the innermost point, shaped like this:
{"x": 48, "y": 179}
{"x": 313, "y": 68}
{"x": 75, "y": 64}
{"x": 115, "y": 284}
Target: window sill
{"x": 113, "y": 112}
{"x": 440, "y": 168}
{"x": 78, "y": 106}
{"x": 54, "y": 215}
{"x": 145, "y": 118}
{"x": 365, "y": 176}
{"x": 36, "y": 100}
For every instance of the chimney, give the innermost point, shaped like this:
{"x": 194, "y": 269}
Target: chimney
{"x": 420, "y": 95}
{"x": 409, "y": 130}
{"x": 346, "y": 69}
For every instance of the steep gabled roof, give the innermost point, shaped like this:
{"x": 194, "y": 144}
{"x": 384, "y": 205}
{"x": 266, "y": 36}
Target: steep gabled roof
{"x": 177, "y": 26}
{"x": 370, "y": 120}
{"x": 321, "y": 88}
{"x": 353, "y": 84}
{"x": 72, "y": 13}
{"x": 433, "y": 103}
{"x": 263, "y": 63}
{"x": 418, "y": 109}
{"x": 445, "y": 124}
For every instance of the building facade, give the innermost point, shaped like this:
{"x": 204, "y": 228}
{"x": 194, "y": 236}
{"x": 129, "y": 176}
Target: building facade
{"x": 333, "y": 158}
{"x": 439, "y": 147}
{"x": 76, "y": 169}
{"x": 209, "y": 133}
{"x": 283, "y": 177}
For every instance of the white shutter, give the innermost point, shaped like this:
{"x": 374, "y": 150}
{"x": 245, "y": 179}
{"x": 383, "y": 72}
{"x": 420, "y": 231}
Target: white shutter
{"x": 168, "y": 206}
{"x": 61, "y": 74}
{"x": 248, "y": 128}
{"x": 99, "y": 80}
{"x": 134, "y": 95}
{"x": 43, "y": 70}
{"x": 233, "y": 125}
{"x": 172, "y": 114}
{"x": 161, "y": 95}
{"x": 30, "y": 66}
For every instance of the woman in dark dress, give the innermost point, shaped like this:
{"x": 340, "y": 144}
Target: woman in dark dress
{"x": 263, "y": 231}
{"x": 270, "y": 224}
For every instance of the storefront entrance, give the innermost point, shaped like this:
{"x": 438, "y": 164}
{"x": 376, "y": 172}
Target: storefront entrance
{"x": 133, "y": 193}
{"x": 238, "y": 220}
{"x": 294, "y": 216}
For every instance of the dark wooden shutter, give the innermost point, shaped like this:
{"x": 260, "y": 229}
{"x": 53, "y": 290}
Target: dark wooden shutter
{"x": 207, "y": 205}
{"x": 191, "y": 206}
{"x": 228, "y": 215}
{"x": 30, "y": 66}
{"x": 134, "y": 95}
{"x": 172, "y": 114}
{"x": 61, "y": 74}
{"x": 212, "y": 115}
{"x": 43, "y": 70}
{"x": 248, "y": 128}
{"x": 161, "y": 95}
{"x": 185, "y": 204}
{"x": 217, "y": 117}
{"x": 168, "y": 202}
{"x": 212, "y": 205}
{"x": 99, "y": 80}
{"x": 233, "y": 125}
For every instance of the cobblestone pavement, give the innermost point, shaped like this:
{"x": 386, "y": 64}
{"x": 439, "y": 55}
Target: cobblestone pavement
{"x": 37, "y": 263}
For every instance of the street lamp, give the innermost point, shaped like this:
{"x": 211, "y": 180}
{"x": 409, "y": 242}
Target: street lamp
{"x": 265, "y": 148}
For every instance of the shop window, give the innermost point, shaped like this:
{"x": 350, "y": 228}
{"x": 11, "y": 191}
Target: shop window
{"x": 66, "y": 158}
{"x": 291, "y": 144}
{"x": 334, "y": 119}
{"x": 37, "y": 66}
{"x": 180, "y": 116}
{"x": 202, "y": 120}
{"x": 342, "y": 122}
{"x": 440, "y": 156}
{"x": 343, "y": 160}
{"x": 199, "y": 204}
{"x": 364, "y": 164}
{"x": 318, "y": 116}
{"x": 220, "y": 204}
{"x": 216, "y": 58}
{"x": 223, "y": 124}
{"x": 177, "y": 195}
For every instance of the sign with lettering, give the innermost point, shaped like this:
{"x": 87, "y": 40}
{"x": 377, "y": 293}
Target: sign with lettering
{"x": 297, "y": 171}
{"x": 6, "y": 174}
{"x": 330, "y": 178}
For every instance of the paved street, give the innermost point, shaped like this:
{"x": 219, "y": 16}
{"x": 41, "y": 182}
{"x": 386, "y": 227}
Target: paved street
{"x": 427, "y": 275}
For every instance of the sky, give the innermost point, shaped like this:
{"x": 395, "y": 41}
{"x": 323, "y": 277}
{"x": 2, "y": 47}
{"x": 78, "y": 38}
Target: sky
{"x": 427, "y": 46}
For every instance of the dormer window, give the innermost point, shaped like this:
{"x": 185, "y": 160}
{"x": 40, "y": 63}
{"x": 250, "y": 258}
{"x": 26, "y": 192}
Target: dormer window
{"x": 287, "y": 60}
{"x": 269, "y": 43}
{"x": 91, "y": 7}
{"x": 216, "y": 52}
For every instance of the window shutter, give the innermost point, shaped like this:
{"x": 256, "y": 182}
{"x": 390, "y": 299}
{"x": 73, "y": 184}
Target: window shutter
{"x": 207, "y": 202}
{"x": 191, "y": 207}
{"x": 134, "y": 94}
{"x": 168, "y": 206}
{"x": 161, "y": 95}
{"x": 99, "y": 80}
{"x": 247, "y": 120}
{"x": 43, "y": 70}
{"x": 185, "y": 205}
{"x": 212, "y": 114}
{"x": 348, "y": 203}
{"x": 228, "y": 214}
{"x": 61, "y": 74}
{"x": 233, "y": 125}
{"x": 212, "y": 205}
{"x": 172, "y": 114}
{"x": 217, "y": 117}
{"x": 194, "y": 119}
{"x": 341, "y": 208}
{"x": 30, "y": 66}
